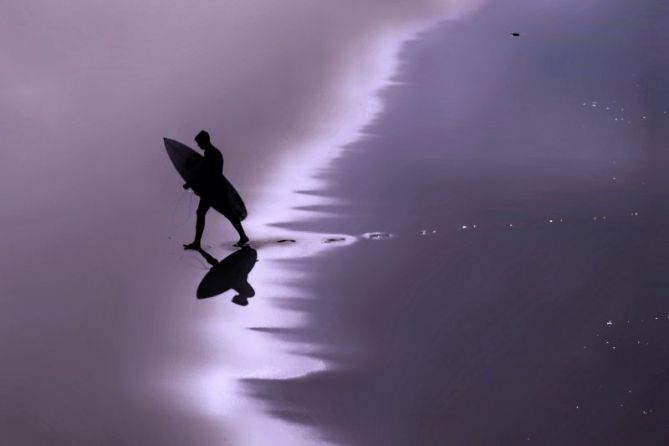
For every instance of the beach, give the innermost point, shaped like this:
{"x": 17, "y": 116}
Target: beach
{"x": 458, "y": 234}
{"x": 104, "y": 339}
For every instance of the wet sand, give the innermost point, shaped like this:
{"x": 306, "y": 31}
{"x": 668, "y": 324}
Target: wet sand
{"x": 522, "y": 295}
{"x": 102, "y": 337}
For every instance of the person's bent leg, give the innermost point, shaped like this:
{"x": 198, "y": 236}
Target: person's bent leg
{"x": 243, "y": 239}
{"x": 201, "y": 213}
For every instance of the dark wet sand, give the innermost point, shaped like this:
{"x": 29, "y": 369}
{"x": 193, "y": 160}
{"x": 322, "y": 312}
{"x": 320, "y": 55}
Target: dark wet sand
{"x": 497, "y": 334}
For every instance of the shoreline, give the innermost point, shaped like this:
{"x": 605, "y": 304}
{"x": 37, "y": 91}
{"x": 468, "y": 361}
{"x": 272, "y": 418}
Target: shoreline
{"x": 285, "y": 197}
{"x": 487, "y": 334}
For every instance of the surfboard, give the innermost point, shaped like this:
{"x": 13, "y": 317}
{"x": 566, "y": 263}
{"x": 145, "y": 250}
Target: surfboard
{"x": 187, "y": 162}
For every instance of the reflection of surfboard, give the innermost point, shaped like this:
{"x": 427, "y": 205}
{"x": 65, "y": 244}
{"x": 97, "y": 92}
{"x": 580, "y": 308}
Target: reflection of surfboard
{"x": 187, "y": 162}
{"x": 231, "y": 273}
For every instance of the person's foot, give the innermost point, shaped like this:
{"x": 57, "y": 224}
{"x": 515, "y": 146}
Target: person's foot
{"x": 240, "y": 300}
{"x": 194, "y": 245}
{"x": 242, "y": 241}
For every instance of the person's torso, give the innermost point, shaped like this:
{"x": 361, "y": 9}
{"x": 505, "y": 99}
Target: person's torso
{"x": 210, "y": 177}
{"x": 212, "y": 162}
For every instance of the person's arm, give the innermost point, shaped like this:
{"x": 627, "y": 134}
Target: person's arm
{"x": 197, "y": 165}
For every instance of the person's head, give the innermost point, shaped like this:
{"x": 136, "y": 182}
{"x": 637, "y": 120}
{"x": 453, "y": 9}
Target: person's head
{"x": 202, "y": 139}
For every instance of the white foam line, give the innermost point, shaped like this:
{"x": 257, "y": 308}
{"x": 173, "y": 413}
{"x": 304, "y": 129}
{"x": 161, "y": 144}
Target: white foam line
{"x": 237, "y": 352}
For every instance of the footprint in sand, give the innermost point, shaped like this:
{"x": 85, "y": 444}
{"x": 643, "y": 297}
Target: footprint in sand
{"x": 334, "y": 239}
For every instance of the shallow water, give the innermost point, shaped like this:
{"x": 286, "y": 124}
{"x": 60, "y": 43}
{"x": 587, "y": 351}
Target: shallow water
{"x": 550, "y": 220}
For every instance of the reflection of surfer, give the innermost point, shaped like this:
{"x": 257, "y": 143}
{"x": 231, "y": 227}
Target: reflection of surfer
{"x": 214, "y": 191}
{"x": 231, "y": 273}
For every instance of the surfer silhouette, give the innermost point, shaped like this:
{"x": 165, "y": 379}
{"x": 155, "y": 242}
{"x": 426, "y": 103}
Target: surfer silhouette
{"x": 214, "y": 190}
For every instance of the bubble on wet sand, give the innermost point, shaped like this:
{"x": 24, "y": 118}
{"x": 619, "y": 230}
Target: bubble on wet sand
{"x": 377, "y": 235}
